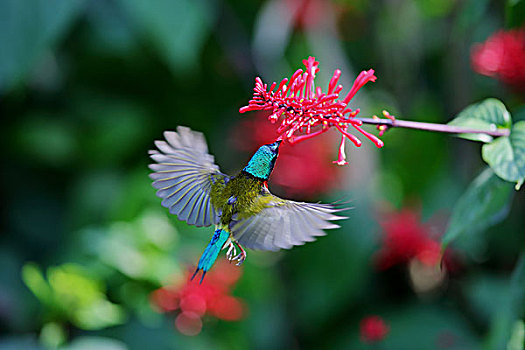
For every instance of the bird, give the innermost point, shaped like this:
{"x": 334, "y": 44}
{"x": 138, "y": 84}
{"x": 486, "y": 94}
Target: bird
{"x": 241, "y": 207}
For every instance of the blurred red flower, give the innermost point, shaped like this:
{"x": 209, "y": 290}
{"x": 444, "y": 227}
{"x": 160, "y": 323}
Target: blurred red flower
{"x": 405, "y": 238}
{"x": 373, "y": 329}
{"x": 502, "y": 56}
{"x": 307, "y": 13}
{"x": 194, "y": 300}
{"x": 302, "y": 168}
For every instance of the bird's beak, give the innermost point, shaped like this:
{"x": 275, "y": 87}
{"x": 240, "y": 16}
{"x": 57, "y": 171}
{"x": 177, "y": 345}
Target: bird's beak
{"x": 275, "y": 146}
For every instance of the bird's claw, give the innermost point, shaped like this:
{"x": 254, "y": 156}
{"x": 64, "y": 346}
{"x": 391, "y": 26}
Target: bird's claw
{"x": 231, "y": 252}
{"x": 240, "y": 258}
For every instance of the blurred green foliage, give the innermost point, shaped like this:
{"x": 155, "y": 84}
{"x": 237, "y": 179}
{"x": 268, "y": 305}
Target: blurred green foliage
{"x": 484, "y": 203}
{"x": 72, "y": 294}
{"x": 85, "y": 88}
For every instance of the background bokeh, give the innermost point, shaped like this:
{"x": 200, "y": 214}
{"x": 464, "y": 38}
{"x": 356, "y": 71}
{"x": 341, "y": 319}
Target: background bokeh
{"x": 87, "y": 86}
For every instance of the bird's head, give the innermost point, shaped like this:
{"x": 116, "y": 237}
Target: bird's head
{"x": 262, "y": 162}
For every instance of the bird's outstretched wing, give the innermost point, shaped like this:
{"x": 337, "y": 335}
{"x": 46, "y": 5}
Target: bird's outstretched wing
{"x": 184, "y": 174}
{"x": 284, "y": 223}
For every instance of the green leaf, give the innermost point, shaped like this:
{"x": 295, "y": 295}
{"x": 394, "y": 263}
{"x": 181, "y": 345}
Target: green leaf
{"x": 484, "y": 203}
{"x": 517, "y": 337}
{"x": 27, "y": 30}
{"x": 73, "y": 286}
{"x": 489, "y": 115}
{"x": 506, "y": 155}
{"x": 53, "y": 335}
{"x": 74, "y": 294}
{"x": 99, "y": 314}
{"x": 177, "y": 29}
{"x": 501, "y": 334}
{"x": 34, "y": 280}
{"x": 515, "y": 13}
{"x": 82, "y": 297}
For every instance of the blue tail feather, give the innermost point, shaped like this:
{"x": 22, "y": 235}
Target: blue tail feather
{"x": 211, "y": 252}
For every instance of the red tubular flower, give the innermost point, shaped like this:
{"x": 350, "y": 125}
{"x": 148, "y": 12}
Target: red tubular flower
{"x": 373, "y": 329}
{"x": 502, "y": 56}
{"x": 306, "y": 111}
{"x": 195, "y": 300}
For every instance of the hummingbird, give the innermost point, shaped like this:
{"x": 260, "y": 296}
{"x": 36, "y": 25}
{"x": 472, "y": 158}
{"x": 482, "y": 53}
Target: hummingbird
{"x": 244, "y": 212}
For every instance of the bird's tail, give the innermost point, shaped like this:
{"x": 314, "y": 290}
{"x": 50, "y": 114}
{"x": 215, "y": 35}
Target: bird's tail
{"x": 219, "y": 239}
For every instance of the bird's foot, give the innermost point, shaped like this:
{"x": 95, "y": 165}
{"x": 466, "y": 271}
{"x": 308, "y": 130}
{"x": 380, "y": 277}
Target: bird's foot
{"x": 231, "y": 252}
{"x": 241, "y": 256}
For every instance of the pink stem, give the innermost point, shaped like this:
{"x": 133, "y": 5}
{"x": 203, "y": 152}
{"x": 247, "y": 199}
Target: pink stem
{"x": 451, "y": 129}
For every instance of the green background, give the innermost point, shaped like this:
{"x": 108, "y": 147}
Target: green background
{"x": 87, "y": 86}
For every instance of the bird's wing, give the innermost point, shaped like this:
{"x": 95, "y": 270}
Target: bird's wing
{"x": 284, "y": 223}
{"x": 183, "y": 174}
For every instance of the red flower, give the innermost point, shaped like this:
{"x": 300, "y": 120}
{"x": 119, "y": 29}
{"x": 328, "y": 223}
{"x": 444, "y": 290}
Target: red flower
{"x": 306, "y": 13}
{"x": 405, "y": 238}
{"x": 188, "y": 323}
{"x": 295, "y": 161}
{"x": 307, "y": 111}
{"x": 373, "y": 329}
{"x": 196, "y": 300}
{"x": 502, "y": 56}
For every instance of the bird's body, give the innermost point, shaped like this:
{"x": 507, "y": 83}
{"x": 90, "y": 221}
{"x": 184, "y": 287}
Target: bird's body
{"x": 237, "y": 196}
{"x": 242, "y": 208}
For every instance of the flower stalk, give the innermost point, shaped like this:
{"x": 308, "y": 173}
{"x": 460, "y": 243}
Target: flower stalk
{"x": 450, "y": 129}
